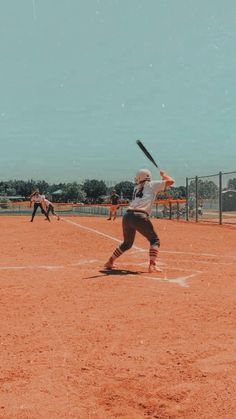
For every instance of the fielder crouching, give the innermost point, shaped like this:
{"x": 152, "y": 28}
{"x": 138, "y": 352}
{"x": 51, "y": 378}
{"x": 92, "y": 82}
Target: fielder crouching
{"x": 37, "y": 200}
{"x": 49, "y": 207}
{"x": 137, "y": 216}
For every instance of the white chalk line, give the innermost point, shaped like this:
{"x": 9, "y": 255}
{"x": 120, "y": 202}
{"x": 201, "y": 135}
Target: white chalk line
{"x": 48, "y": 267}
{"x": 140, "y": 249}
{"x": 180, "y": 280}
{"x": 92, "y": 230}
{"x": 172, "y": 268}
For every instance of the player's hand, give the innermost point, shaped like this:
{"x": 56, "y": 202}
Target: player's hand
{"x": 163, "y": 175}
{"x": 169, "y": 181}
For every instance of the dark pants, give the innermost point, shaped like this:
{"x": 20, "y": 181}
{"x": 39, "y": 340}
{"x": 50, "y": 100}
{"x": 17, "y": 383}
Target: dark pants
{"x": 50, "y": 209}
{"x": 137, "y": 221}
{"x": 36, "y": 206}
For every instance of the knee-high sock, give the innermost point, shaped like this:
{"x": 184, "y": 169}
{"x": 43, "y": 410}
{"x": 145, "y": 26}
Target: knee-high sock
{"x": 153, "y": 253}
{"x": 116, "y": 254}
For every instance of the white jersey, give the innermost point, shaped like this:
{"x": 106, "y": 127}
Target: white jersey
{"x": 47, "y": 202}
{"x": 37, "y": 199}
{"x": 144, "y": 194}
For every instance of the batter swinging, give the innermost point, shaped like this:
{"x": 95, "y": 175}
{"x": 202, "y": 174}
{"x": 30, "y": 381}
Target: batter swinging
{"x": 137, "y": 216}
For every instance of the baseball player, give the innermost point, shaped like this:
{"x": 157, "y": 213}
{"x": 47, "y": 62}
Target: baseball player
{"x": 37, "y": 200}
{"x": 137, "y": 216}
{"x": 114, "y": 205}
{"x": 48, "y": 205}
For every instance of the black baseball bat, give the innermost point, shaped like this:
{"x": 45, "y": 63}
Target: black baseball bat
{"x": 147, "y": 154}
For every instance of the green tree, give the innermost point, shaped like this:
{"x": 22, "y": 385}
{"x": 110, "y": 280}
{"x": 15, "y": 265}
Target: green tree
{"x": 177, "y": 192}
{"x": 73, "y": 192}
{"x": 11, "y": 191}
{"x": 42, "y": 186}
{"x": 25, "y": 187}
{"x": 206, "y": 188}
{"x": 231, "y": 183}
{"x": 94, "y": 189}
{"x": 124, "y": 189}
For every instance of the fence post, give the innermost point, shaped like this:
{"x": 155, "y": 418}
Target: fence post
{"x": 220, "y": 197}
{"x": 178, "y": 214}
{"x": 196, "y": 192}
{"x": 187, "y": 194}
{"x": 170, "y": 207}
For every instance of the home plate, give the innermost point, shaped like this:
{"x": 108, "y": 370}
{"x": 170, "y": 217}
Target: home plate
{"x": 171, "y": 275}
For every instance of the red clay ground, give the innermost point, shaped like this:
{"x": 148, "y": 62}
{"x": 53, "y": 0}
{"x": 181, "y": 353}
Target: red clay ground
{"x": 77, "y": 343}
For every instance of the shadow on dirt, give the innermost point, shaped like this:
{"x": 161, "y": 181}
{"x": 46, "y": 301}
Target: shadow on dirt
{"x": 114, "y": 272}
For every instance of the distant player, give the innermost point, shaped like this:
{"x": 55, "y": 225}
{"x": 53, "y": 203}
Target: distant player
{"x": 114, "y": 199}
{"x": 137, "y": 216}
{"x": 37, "y": 200}
{"x": 49, "y": 207}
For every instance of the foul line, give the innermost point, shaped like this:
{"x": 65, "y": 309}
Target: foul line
{"x": 49, "y": 267}
{"x": 100, "y": 233}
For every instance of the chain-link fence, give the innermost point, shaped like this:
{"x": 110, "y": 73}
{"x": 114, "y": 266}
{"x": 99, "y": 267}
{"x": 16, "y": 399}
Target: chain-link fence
{"x": 212, "y": 198}
{"x": 169, "y": 208}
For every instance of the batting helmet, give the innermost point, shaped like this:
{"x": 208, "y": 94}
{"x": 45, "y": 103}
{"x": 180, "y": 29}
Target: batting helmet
{"x": 142, "y": 175}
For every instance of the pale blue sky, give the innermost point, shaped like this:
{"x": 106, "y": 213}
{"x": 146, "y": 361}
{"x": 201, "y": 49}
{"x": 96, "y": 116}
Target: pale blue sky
{"x": 81, "y": 80}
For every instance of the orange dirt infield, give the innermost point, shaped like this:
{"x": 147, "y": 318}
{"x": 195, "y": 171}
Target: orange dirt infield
{"x": 77, "y": 342}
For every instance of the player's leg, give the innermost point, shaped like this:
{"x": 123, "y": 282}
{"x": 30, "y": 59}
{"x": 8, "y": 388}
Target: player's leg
{"x": 145, "y": 227}
{"x": 44, "y": 212}
{"x": 36, "y": 205}
{"x": 54, "y": 212}
{"x": 47, "y": 210}
{"x": 114, "y": 212}
{"x": 129, "y": 236}
{"x": 110, "y": 214}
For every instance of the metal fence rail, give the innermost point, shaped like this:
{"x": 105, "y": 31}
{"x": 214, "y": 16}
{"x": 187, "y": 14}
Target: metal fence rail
{"x": 168, "y": 208}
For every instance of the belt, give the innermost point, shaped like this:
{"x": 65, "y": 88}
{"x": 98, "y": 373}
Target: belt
{"x": 139, "y": 211}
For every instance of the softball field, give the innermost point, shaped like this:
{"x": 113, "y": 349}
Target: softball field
{"x": 81, "y": 342}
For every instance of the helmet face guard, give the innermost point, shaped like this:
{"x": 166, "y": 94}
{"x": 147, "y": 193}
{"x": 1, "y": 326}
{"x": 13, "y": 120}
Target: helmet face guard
{"x": 142, "y": 175}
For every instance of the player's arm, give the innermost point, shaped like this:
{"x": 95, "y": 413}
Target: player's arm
{"x": 44, "y": 205}
{"x": 168, "y": 180}
{"x": 160, "y": 186}
{"x": 33, "y": 193}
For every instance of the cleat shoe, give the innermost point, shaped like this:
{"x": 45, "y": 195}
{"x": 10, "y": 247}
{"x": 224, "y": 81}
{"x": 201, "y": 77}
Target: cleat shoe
{"x": 153, "y": 268}
{"x": 109, "y": 264}
{"x": 108, "y": 219}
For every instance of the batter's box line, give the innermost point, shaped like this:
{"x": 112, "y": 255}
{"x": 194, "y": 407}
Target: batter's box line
{"x": 140, "y": 249}
{"x": 181, "y": 280}
{"x": 49, "y": 267}
{"x": 172, "y": 268}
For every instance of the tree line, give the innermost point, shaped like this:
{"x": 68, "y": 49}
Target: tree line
{"x": 209, "y": 189}
{"x": 90, "y": 191}
{"x": 96, "y": 191}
